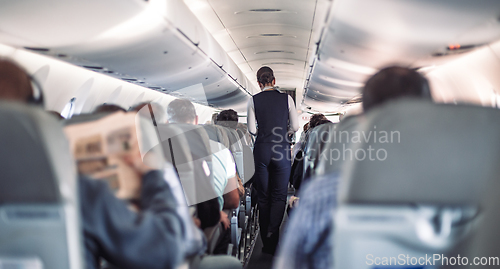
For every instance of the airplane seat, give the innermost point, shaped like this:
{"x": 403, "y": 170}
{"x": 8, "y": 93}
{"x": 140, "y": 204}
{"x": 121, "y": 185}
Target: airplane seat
{"x": 317, "y": 143}
{"x": 39, "y": 205}
{"x": 244, "y": 134}
{"x": 419, "y": 190}
{"x": 330, "y": 156}
{"x": 176, "y": 151}
{"x": 188, "y": 148}
{"x": 484, "y": 242}
{"x": 236, "y": 147}
{"x": 247, "y": 161}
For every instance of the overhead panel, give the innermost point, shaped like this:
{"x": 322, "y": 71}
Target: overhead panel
{"x": 157, "y": 44}
{"x": 274, "y": 33}
{"x": 363, "y": 36}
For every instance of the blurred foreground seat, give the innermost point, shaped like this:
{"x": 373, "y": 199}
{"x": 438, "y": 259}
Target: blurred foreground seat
{"x": 419, "y": 191}
{"x": 39, "y": 223}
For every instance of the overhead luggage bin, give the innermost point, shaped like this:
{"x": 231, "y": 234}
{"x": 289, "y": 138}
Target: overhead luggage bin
{"x": 362, "y": 36}
{"x": 157, "y": 44}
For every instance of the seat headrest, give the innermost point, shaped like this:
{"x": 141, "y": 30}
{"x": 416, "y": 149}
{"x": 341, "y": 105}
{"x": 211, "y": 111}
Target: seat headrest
{"x": 217, "y": 133}
{"x": 422, "y": 153}
{"x": 35, "y": 160}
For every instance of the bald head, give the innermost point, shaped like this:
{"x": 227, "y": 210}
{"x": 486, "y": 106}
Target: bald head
{"x": 15, "y": 83}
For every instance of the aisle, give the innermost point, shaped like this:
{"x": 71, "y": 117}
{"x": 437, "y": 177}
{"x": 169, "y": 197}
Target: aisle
{"x": 261, "y": 260}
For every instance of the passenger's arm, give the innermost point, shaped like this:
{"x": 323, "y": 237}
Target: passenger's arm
{"x": 151, "y": 238}
{"x": 231, "y": 194}
{"x": 251, "y": 120}
{"x": 292, "y": 115}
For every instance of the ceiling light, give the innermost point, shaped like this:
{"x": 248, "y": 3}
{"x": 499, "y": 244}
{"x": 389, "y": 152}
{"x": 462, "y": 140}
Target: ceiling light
{"x": 275, "y": 51}
{"x": 271, "y": 35}
{"x": 265, "y": 10}
{"x": 284, "y": 63}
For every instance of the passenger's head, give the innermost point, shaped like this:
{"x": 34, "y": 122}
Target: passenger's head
{"x": 109, "y": 108}
{"x": 181, "y": 111}
{"x": 228, "y": 118}
{"x": 265, "y": 77}
{"x": 305, "y": 127}
{"x": 150, "y": 110}
{"x": 214, "y": 118}
{"x": 16, "y": 84}
{"x": 341, "y": 116}
{"x": 392, "y": 83}
{"x": 317, "y": 119}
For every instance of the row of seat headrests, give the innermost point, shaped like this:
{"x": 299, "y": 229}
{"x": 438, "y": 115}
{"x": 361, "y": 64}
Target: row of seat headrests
{"x": 413, "y": 152}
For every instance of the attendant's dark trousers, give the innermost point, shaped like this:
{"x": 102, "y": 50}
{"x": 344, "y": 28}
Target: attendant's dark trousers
{"x": 272, "y": 172}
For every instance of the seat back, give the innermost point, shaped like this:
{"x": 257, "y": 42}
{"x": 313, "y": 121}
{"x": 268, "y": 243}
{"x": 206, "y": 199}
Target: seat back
{"x": 334, "y": 142}
{"x": 316, "y": 149}
{"x": 176, "y": 147}
{"x": 482, "y": 246}
{"x": 236, "y": 147}
{"x": 419, "y": 191}
{"x": 39, "y": 227}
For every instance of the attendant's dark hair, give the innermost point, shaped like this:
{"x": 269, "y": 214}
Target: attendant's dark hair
{"x": 181, "y": 111}
{"x": 265, "y": 75}
{"x": 228, "y": 118}
{"x": 394, "y": 82}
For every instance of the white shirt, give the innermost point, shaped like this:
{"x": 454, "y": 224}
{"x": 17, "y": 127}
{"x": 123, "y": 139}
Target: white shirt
{"x": 223, "y": 168}
{"x": 252, "y": 122}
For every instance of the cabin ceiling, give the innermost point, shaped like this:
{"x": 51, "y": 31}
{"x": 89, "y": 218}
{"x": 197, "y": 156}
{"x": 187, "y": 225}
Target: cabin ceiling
{"x": 323, "y": 49}
{"x": 359, "y": 37}
{"x": 279, "y": 33}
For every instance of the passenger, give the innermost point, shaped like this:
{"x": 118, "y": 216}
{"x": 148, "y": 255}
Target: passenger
{"x": 223, "y": 166}
{"x": 224, "y": 176}
{"x": 228, "y": 118}
{"x": 307, "y": 242}
{"x": 317, "y": 119}
{"x": 151, "y": 238}
{"x": 16, "y": 84}
{"x": 298, "y": 176}
{"x": 271, "y": 116}
{"x": 214, "y": 118}
{"x": 109, "y": 108}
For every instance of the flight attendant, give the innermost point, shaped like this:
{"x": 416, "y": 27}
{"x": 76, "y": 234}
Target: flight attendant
{"x": 271, "y": 116}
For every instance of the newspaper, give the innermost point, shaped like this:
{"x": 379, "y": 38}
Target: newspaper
{"x": 98, "y": 147}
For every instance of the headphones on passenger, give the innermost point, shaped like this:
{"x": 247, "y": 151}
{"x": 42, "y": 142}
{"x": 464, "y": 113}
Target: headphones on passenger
{"x": 36, "y": 97}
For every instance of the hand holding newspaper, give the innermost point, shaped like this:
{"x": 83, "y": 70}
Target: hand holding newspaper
{"x": 108, "y": 149}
